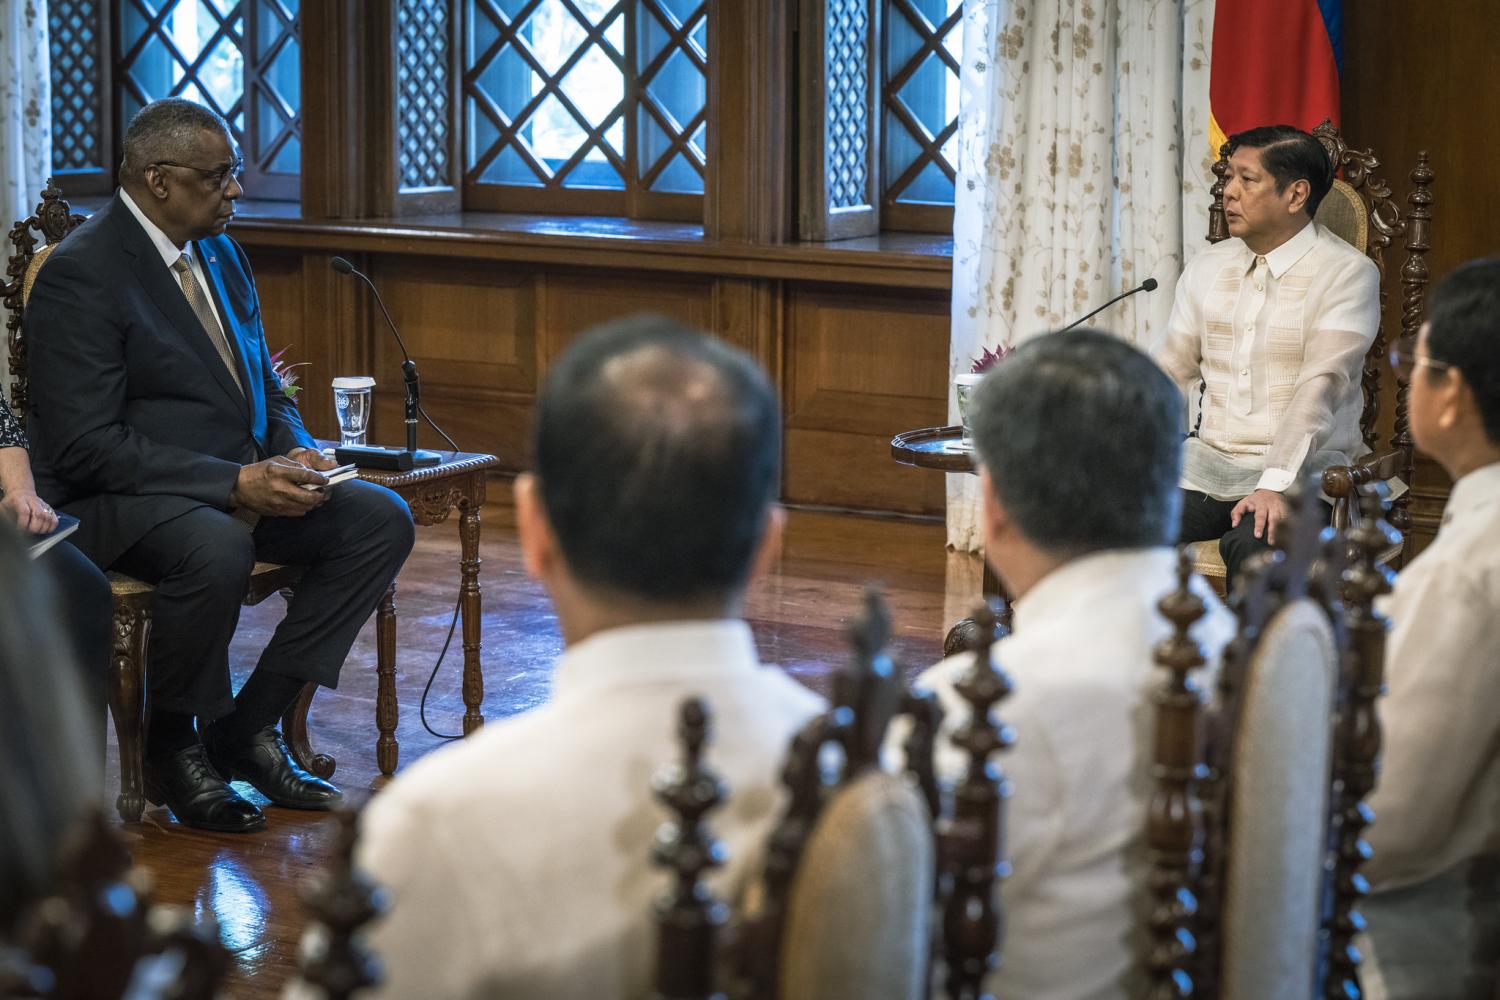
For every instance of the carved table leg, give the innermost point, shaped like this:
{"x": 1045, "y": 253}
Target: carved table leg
{"x": 468, "y": 527}
{"x": 387, "y": 747}
{"x": 294, "y": 728}
{"x": 127, "y": 703}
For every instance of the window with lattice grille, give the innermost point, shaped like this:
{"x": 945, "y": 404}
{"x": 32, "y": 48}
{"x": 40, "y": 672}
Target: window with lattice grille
{"x": 923, "y": 43}
{"x": 241, "y": 58}
{"x": 589, "y": 106}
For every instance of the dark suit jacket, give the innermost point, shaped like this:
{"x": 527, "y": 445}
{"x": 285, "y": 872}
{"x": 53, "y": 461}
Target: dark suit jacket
{"x": 134, "y": 419}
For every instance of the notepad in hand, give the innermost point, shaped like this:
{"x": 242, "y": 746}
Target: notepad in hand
{"x": 66, "y": 525}
{"x": 342, "y": 474}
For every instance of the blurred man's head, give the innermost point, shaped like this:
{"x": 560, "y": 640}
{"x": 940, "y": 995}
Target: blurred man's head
{"x": 1278, "y": 175}
{"x": 657, "y": 464}
{"x": 1455, "y": 382}
{"x": 1079, "y": 435}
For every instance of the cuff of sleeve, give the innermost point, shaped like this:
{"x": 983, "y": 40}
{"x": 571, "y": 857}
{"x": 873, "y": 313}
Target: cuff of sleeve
{"x": 1275, "y": 480}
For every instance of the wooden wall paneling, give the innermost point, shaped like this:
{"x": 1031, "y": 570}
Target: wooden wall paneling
{"x": 1417, "y": 77}
{"x": 749, "y": 314}
{"x": 335, "y": 172}
{"x": 570, "y": 302}
{"x": 280, "y": 283}
{"x": 472, "y": 329}
{"x": 860, "y": 368}
{"x": 751, "y": 64}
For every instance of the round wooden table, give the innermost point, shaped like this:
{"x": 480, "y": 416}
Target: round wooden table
{"x": 942, "y": 448}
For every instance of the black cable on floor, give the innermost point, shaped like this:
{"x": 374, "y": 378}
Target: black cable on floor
{"x": 422, "y": 708}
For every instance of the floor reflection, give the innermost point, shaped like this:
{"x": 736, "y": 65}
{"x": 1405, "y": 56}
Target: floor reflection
{"x": 232, "y": 897}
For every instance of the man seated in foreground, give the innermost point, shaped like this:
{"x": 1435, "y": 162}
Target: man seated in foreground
{"x": 1079, "y": 443}
{"x": 518, "y": 861}
{"x": 1275, "y": 322}
{"x": 1435, "y": 917}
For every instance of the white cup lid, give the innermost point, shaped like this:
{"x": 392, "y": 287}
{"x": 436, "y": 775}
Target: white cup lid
{"x": 969, "y": 378}
{"x": 354, "y": 382}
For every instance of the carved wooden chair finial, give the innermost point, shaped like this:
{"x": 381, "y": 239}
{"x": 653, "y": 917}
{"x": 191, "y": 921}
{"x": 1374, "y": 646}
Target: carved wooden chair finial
{"x": 342, "y": 900}
{"x": 1174, "y": 832}
{"x": 1357, "y": 747}
{"x": 974, "y": 841}
{"x": 689, "y": 917}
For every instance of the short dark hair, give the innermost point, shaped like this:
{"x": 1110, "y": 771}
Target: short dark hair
{"x": 167, "y": 129}
{"x": 1463, "y": 329}
{"x": 657, "y": 456}
{"x": 1082, "y": 437}
{"x": 1290, "y": 154}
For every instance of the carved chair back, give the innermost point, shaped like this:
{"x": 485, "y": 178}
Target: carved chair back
{"x": 99, "y": 933}
{"x": 781, "y": 946}
{"x": 1360, "y": 210}
{"x": 52, "y": 221}
{"x": 341, "y": 900}
{"x": 1256, "y": 814}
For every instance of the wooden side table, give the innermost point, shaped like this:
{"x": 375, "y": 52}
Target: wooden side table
{"x": 941, "y": 448}
{"x": 432, "y": 493}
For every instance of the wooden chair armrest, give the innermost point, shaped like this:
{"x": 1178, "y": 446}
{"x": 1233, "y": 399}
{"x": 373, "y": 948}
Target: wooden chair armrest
{"x": 1340, "y": 481}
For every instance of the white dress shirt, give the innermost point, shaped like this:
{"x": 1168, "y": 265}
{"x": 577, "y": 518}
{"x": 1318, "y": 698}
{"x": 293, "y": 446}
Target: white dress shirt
{"x": 170, "y": 252}
{"x": 1280, "y": 340}
{"x": 1437, "y": 802}
{"x": 1080, "y": 658}
{"x": 519, "y": 860}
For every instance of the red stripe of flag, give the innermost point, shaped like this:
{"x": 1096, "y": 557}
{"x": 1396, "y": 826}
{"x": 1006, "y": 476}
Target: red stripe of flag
{"x": 1272, "y": 64}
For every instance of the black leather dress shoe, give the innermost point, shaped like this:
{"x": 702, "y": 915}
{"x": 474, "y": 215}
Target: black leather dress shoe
{"x": 198, "y": 796}
{"x": 266, "y": 763}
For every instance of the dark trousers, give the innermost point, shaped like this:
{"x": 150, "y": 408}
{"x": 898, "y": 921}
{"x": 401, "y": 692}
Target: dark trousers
{"x": 1204, "y": 518}
{"x": 200, "y": 563}
{"x": 87, "y": 613}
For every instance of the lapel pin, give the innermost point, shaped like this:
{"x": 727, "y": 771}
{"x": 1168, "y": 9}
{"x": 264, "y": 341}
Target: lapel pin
{"x": 213, "y": 260}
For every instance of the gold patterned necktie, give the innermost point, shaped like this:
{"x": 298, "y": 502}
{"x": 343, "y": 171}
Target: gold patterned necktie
{"x": 205, "y": 313}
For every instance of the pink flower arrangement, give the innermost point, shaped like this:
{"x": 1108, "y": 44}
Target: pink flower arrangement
{"x": 989, "y": 358}
{"x": 286, "y": 374}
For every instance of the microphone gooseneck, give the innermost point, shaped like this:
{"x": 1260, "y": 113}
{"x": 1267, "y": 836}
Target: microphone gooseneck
{"x": 342, "y": 266}
{"x": 1149, "y": 285}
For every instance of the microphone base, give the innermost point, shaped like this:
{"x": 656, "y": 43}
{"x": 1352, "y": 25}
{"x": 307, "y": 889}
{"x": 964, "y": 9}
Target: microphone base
{"x": 385, "y": 459}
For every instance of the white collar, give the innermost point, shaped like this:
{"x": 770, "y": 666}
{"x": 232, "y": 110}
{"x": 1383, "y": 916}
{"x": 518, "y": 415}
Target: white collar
{"x": 1089, "y": 578}
{"x": 169, "y": 251}
{"x": 663, "y": 651}
{"x": 1280, "y": 260}
{"x": 1478, "y": 489}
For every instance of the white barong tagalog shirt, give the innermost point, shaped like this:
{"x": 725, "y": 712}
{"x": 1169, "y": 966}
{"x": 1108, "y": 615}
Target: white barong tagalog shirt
{"x": 518, "y": 861}
{"x": 1280, "y": 341}
{"x": 1081, "y": 662}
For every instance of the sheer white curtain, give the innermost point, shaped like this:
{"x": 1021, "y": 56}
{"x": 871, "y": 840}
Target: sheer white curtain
{"x": 26, "y": 126}
{"x": 1073, "y": 157}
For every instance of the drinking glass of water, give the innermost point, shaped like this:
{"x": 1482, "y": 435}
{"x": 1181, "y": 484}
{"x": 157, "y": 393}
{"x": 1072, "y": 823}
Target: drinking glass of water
{"x": 351, "y": 400}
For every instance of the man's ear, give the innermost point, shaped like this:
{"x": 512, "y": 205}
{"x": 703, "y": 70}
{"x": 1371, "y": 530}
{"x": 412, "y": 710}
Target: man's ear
{"x": 538, "y": 544}
{"x": 769, "y": 549}
{"x": 1300, "y": 191}
{"x": 1455, "y": 399}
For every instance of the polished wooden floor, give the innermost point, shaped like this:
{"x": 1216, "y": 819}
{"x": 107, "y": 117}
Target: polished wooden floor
{"x": 249, "y": 884}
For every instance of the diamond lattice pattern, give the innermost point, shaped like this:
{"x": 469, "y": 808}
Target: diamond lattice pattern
{"x": 77, "y": 103}
{"x": 847, "y": 138}
{"x": 546, "y": 102}
{"x": 422, "y": 84}
{"x": 923, "y": 45}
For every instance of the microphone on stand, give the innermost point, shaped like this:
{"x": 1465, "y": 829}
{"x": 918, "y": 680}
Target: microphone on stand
{"x": 391, "y": 458}
{"x": 1149, "y": 285}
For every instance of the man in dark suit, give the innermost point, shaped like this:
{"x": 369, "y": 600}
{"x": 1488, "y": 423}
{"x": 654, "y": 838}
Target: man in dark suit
{"x": 157, "y": 421}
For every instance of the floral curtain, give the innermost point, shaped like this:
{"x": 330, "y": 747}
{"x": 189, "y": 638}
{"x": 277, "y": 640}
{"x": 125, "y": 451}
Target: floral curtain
{"x": 26, "y": 128}
{"x": 1078, "y": 168}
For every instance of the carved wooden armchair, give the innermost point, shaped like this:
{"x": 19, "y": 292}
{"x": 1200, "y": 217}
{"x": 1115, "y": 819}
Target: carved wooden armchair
{"x": 100, "y": 934}
{"x": 132, "y": 598}
{"x": 1256, "y": 815}
{"x": 870, "y": 878}
{"x": 1360, "y": 210}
